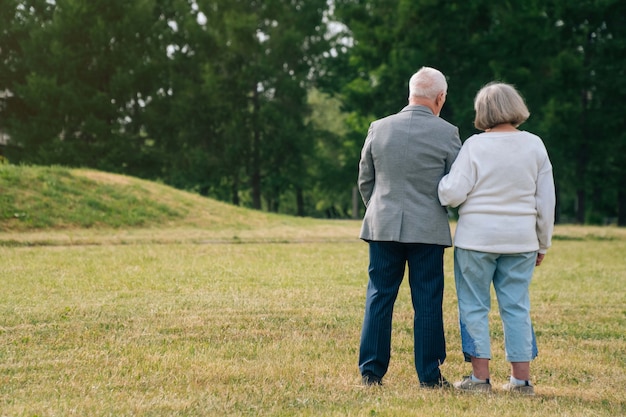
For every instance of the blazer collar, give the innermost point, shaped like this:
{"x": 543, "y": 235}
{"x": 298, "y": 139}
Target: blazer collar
{"x": 415, "y": 107}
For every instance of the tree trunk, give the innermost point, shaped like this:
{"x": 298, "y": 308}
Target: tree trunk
{"x": 580, "y": 206}
{"x": 582, "y": 161}
{"x": 300, "y": 202}
{"x": 235, "y": 190}
{"x": 356, "y": 201}
{"x": 557, "y": 207}
{"x": 621, "y": 205}
{"x": 255, "y": 179}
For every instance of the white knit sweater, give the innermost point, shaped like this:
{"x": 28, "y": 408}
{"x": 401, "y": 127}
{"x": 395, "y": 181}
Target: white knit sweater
{"x": 503, "y": 182}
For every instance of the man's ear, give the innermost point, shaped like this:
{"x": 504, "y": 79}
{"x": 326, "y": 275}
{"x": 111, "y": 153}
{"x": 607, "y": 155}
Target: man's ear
{"x": 441, "y": 98}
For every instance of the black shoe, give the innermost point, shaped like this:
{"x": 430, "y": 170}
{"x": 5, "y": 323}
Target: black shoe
{"x": 371, "y": 379}
{"x": 437, "y": 383}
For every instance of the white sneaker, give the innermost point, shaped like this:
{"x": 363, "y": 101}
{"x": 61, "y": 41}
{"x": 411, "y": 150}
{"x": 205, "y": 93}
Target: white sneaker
{"x": 525, "y": 389}
{"x": 468, "y": 385}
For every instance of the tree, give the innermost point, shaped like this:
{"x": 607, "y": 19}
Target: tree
{"x": 581, "y": 123}
{"x": 207, "y": 95}
{"x": 78, "y": 81}
{"x": 331, "y": 167}
{"x": 563, "y": 56}
{"x": 245, "y": 95}
{"x": 217, "y": 96}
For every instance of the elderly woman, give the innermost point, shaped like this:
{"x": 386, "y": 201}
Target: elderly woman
{"x": 502, "y": 181}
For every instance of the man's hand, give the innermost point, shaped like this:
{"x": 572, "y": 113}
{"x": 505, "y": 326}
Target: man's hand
{"x": 540, "y": 257}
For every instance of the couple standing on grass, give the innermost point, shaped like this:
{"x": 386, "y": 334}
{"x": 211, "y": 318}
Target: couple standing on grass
{"x": 412, "y": 166}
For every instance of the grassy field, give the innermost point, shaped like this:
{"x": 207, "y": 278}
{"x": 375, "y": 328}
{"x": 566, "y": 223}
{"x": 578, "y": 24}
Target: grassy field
{"x": 202, "y": 309}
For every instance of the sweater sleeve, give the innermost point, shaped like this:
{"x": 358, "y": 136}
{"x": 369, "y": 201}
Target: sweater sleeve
{"x": 457, "y": 184}
{"x": 545, "y": 199}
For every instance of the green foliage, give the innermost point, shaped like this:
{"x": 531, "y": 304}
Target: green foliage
{"x": 209, "y": 96}
{"x": 334, "y": 166}
{"x": 564, "y": 57}
{"x": 76, "y": 82}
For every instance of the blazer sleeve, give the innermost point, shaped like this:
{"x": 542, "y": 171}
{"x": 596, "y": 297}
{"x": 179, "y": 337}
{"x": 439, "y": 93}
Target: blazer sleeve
{"x": 454, "y": 150}
{"x": 366, "y": 169}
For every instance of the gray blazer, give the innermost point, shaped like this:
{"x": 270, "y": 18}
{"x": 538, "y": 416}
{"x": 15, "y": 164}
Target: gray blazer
{"x": 403, "y": 158}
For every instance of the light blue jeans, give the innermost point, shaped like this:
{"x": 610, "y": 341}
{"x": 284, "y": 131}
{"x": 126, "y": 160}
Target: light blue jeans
{"x": 474, "y": 272}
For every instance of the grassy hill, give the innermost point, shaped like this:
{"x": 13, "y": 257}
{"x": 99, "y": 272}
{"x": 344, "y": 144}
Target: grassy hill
{"x": 63, "y": 206}
{"x": 84, "y": 206}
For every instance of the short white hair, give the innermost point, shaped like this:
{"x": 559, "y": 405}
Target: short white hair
{"x": 427, "y": 83}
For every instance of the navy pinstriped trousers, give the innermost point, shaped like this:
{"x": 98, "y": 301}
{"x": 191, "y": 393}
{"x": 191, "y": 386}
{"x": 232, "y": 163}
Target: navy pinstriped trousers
{"x": 386, "y": 271}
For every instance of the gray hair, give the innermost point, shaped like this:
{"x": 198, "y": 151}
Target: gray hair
{"x": 428, "y": 83}
{"x": 498, "y": 103}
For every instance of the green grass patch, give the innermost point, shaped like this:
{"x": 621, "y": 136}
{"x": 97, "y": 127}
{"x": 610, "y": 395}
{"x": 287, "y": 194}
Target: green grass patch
{"x": 56, "y": 197}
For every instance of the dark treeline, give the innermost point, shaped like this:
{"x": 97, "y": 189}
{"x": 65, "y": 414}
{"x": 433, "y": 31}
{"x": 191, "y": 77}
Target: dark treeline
{"x": 266, "y": 103}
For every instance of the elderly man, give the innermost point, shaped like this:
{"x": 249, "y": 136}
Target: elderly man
{"x": 403, "y": 158}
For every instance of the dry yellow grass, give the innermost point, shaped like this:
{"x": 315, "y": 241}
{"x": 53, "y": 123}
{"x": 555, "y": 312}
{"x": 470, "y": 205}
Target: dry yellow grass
{"x": 259, "y": 315}
{"x": 194, "y": 329}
